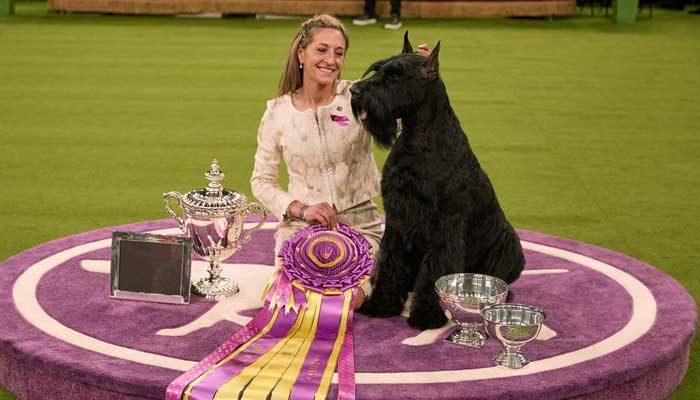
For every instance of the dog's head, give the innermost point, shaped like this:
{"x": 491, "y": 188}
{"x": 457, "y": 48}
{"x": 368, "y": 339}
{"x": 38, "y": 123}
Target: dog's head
{"x": 396, "y": 89}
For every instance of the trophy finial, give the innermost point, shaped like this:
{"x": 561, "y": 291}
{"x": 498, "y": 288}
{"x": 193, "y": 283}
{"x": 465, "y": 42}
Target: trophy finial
{"x": 214, "y": 175}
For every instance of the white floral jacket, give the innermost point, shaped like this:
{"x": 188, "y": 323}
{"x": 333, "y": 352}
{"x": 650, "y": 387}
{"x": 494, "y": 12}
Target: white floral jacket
{"x": 328, "y": 155}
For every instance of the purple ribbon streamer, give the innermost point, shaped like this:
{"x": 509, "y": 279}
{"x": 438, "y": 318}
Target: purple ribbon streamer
{"x": 316, "y": 360}
{"x": 299, "y": 297}
{"x": 176, "y": 387}
{"x": 346, "y": 362}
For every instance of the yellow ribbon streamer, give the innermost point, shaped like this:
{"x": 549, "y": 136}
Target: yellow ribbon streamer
{"x": 188, "y": 390}
{"x": 280, "y": 365}
{"x": 284, "y": 388}
{"x": 232, "y": 388}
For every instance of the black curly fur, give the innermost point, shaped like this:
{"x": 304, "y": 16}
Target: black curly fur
{"x": 442, "y": 214}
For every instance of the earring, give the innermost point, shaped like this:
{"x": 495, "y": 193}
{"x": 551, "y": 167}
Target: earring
{"x": 301, "y": 65}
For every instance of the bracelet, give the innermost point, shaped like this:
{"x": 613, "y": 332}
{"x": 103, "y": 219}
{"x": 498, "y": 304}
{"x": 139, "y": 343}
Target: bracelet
{"x": 288, "y": 213}
{"x": 302, "y": 213}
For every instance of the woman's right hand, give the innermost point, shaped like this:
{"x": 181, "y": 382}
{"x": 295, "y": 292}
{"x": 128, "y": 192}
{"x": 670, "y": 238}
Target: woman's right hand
{"x": 322, "y": 213}
{"x": 424, "y": 50}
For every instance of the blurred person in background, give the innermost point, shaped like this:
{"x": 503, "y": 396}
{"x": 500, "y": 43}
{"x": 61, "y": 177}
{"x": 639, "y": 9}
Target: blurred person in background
{"x": 370, "y": 15}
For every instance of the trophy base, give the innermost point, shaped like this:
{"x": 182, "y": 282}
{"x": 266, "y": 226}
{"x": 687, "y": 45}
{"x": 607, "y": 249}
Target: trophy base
{"x": 216, "y": 289}
{"x": 467, "y": 338}
{"x": 511, "y": 360}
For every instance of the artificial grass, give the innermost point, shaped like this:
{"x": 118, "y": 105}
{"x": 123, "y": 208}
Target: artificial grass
{"x": 588, "y": 129}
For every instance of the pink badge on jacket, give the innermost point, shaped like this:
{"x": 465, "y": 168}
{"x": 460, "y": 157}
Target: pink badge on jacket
{"x": 342, "y": 120}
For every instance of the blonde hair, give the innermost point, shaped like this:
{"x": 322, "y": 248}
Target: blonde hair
{"x": 293, "y": 76}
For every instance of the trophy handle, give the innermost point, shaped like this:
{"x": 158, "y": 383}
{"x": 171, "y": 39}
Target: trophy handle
{"x": 167, "y": 197}
{"x": 263, "y": 218}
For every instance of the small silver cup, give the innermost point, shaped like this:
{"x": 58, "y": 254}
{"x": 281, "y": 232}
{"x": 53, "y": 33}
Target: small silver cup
{"x": 514, "y": 325}
{"x": 462, "y": 296}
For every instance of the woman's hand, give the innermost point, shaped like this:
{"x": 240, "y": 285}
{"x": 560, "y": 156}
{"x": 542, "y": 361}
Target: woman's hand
{"x": 424, "y": 50}
{"x": 322, "y": 213}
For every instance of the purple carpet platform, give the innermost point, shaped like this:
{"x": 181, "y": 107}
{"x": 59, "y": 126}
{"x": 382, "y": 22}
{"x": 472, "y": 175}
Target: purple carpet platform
{"x": 616, "y": 328}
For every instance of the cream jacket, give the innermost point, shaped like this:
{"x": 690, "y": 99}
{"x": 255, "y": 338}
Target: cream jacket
{"x": 328, "y": 155}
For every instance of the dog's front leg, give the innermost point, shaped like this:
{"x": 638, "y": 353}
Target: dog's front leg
{"x": 392, "y": 280}
{"x": 425, "y": 309}
{"x": 443, "y": 258}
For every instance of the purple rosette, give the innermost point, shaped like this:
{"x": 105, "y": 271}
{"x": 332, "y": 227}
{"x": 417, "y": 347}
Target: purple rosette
{"x": 327, "y": 261}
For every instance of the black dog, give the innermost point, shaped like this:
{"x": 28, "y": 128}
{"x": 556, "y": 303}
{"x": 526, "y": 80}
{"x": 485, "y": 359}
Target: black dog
{"x": 442, "y": 215}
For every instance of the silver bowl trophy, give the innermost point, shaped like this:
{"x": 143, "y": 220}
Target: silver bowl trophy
{"x": 214, "y": 219}
{"x": 514, "y": 325}
{"x": 462, "y": 297}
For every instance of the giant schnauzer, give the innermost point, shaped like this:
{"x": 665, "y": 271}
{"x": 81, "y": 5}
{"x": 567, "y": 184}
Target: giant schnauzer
{"x": 442, "y": 215}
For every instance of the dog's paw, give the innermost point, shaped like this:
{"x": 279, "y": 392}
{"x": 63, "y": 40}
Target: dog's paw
{"x": 381, "y": 308}
{"x": 426, "y": 320}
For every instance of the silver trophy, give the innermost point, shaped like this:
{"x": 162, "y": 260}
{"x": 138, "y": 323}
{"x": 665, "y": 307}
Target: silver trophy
{"x": 214, "y": 219}
{"x": 462, "y": 296}
{"x": 514, "y": 325}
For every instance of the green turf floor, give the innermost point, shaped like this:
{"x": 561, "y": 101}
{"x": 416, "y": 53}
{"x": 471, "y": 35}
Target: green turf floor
{"x": 589, "y": 130}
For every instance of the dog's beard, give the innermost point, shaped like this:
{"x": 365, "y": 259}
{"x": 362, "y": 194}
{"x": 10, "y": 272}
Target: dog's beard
{"x": 375, "y": 117}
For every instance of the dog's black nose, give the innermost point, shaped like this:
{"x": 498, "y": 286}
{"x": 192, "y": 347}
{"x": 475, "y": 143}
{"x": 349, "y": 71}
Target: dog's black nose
{"x": 354, "y": 91}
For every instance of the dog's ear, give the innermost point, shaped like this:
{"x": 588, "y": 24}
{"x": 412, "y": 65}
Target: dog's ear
{"x": 374, "y": 67}
{"x": 432, "y": 65}
{"x": 407, "y": 48}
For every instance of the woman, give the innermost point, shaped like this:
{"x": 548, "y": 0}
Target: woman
{"x": 310, "y": 125}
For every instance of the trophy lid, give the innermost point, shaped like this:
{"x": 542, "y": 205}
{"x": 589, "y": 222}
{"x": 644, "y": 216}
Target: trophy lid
{"x": 214, "y": 200}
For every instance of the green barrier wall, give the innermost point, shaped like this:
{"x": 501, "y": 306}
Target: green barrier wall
{"x": 7, "y": 7}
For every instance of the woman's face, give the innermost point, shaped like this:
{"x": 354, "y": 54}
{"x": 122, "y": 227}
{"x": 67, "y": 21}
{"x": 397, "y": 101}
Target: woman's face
{"x": 323, "y": 57}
